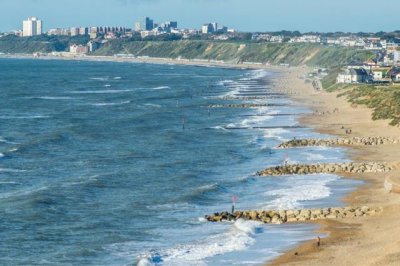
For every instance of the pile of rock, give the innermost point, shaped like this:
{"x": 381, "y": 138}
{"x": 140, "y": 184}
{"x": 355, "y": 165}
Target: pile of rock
{"x": 246, "y": 98}
{"x": 293, "y": 216}
{"x": 243, "y": 105}
{"x": 363, "y": 141}
{"x": 303, "y": 169}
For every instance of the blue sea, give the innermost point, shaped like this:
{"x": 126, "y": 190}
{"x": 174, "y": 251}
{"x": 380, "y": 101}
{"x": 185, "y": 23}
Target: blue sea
{"x": 106, "y": 163}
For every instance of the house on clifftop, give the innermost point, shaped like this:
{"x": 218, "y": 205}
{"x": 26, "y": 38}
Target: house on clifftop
{"x": 394, "y": 73}
{"x": 353, "y": 75}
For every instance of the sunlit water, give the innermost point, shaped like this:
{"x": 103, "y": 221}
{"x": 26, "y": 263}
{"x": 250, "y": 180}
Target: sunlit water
{"x": 117, "y": 164}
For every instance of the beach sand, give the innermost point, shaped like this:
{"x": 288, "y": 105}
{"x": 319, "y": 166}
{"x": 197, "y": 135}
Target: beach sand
{"x": 355, "y": 241}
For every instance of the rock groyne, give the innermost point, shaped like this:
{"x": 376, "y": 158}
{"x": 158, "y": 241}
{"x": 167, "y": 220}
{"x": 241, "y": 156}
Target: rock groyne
{"x": 303, "y": 169}
{"x": 359, "y": 141}
{"x": 243, "y": 105}
{"x": 294, "y": 216}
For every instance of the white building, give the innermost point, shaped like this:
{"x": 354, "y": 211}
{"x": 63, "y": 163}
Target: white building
{"x": 32, "y": 27}
{"x": 78, "y": 49}
{"x": 74, "y": 31}
{"x": 206, "y": 28}
{"x": 349, "y": 76}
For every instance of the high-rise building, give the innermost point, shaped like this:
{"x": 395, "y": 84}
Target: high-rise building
{"x": 144, "y": 24}
{"x": 169, "y": 25}
{"x": 207, "y": 28}
{"x": 32, "y": 26}
{"x": 74, "y": 31}
{"x": 83, "y": 31}
{"x": 214, "y": 26}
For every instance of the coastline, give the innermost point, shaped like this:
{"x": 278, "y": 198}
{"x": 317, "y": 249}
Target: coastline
{"x": 374, "y": 237}
{"x": 146, "y": 60}
{"x": 355, "y": 241}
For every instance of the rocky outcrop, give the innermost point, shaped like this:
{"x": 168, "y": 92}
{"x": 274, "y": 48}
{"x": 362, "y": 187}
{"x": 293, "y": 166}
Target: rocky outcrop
{"x": 293, "y": 216}
{"x": 303, "y": 169}
{"x": 360, "y": 141}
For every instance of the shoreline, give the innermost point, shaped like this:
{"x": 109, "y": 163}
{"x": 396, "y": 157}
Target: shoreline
{"x": 344, "y": 234}
{"x": 356, "y": 235}
{"x": 149, "y": 60}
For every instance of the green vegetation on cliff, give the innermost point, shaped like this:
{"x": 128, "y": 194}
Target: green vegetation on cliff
{"x": 41, "y": 43}
{"x": 383, "y": 100}
{"x": 229, "y": 51}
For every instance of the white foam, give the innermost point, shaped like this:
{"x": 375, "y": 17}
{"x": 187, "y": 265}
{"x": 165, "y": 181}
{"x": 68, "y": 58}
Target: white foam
{"x": 22, "y": 193}
{"x": 314, "y": 156}
{"x": 110, "y": 104}
{"x": 145, "y": 262}
{"x": 221, "y": 128}
{"x": 9, "y": 170}
{"x": 238, "y": 237}
{"x": 54, "y": 98}
{"x": 25, "y": 117}
{"x": 259, "y": 73}
{"x": 208, "y": 187}
{"x": 224, "y": 82}
{"x": 100, "y": 92}
{"x": 153, "y": 105}
{"x": 275, "y": 133}
{"x": 1, "y": 155}
{"x": 161, "y": 88}
{"x": 202, "y": 220}
{"x": 255, "y": 121}
{"x": 299, "y": 189}
{"x": 101, "y": 78}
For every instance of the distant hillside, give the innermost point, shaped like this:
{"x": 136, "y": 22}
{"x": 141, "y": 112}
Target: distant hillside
{"x": 229, "y": 51}
{"x": 294, "y": 54}
{"x": 42, "y": 43}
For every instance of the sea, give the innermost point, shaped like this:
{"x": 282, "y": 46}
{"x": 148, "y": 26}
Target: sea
{"x": 110, "y": 163}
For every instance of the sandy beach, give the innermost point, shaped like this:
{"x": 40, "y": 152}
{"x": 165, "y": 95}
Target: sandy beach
{"x": 352, "y": 241}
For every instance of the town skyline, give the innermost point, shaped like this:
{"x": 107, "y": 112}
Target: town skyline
{"x": 270, "y": 16}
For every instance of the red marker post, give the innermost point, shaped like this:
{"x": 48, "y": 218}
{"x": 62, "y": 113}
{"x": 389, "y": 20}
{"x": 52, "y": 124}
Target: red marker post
{"x": 233, "y": 203}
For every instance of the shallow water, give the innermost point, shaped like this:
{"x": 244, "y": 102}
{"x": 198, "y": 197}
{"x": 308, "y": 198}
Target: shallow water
{"x": 117, "y": 163}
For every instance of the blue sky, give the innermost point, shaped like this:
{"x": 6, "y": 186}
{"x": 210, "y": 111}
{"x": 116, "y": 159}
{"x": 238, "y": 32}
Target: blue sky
{"x": 245, "y": 15}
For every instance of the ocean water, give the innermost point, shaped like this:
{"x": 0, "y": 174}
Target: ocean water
{"x": 117, "y": 164}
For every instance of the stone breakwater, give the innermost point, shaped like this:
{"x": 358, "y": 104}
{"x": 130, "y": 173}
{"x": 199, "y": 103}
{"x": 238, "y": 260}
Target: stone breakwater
{"x": 246, "y": 98}
{"x": 303, "y": 169}
{"x": 363, "y": 141}
{"x": 243, "y": 105}
{"x": 294, "y": 216}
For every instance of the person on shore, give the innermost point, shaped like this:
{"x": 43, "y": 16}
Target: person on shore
{"x": 233, "y": 203}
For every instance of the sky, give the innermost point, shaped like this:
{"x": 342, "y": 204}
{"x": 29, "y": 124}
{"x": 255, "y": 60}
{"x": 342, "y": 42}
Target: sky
{"x": 244, "y": 15}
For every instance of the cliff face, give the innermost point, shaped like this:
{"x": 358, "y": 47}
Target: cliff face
{"x": 41, "y": 44}
{"x": 234, "y": 52}
{"x": 228, "y": 51}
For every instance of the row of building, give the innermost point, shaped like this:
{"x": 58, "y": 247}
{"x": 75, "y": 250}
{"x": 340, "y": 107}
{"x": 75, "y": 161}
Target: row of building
{"x": 366, "y": 73}
{"x": 368, "y": 43}
{"x": 146, "y": 27}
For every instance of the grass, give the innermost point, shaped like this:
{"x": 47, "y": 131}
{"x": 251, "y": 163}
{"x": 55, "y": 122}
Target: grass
{"x": 383, "y": 100}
